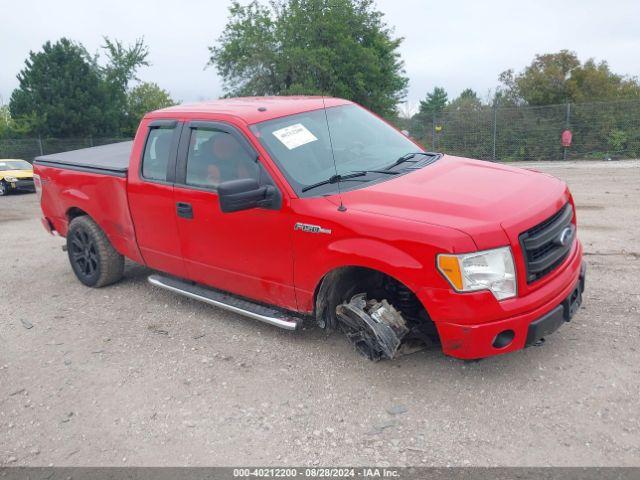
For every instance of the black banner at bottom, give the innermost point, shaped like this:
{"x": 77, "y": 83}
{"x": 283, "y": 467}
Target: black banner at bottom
{"x": 402, "y": 473}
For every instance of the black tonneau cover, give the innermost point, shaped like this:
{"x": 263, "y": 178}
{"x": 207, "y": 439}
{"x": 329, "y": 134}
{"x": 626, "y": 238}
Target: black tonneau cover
{"x": 112, "y": 159}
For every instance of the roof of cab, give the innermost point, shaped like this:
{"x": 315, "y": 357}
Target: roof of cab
{"x": 250, "y": 109}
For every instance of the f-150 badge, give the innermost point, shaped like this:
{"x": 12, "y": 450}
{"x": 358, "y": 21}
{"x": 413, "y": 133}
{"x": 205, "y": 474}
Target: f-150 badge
{"x": 305, "y": 227}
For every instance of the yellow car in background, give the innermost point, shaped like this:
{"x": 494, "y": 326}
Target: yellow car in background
{"x": 15, "y": 175}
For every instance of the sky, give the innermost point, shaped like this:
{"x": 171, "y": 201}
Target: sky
{"x": 455, "y": 44}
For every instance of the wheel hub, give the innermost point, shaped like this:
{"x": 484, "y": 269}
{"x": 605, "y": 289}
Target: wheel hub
{"x": 83, "y": 253}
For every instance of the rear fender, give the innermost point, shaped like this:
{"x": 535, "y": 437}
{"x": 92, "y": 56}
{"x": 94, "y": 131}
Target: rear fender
{"x": 121, "y": 236}
{"x": 65, "y": 193}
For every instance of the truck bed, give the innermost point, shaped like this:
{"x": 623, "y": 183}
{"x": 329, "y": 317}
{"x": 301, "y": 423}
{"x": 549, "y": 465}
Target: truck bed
{"x": 90, "y": 181}
{"x": 112, "y": 159}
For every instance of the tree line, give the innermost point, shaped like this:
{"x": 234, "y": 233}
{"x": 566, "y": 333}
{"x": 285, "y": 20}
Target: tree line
{"x": 525, "y": 115}
{"x": 63, "y": 91}
{"x": 550, "y": 79}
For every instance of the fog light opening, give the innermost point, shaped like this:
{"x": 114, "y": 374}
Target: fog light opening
{"x": 504, "y": 339}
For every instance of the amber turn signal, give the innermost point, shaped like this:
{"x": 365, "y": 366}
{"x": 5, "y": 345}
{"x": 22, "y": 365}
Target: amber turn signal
{"x": 449, "y": 266}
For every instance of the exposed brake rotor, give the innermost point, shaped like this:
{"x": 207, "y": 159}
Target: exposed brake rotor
{"x": 375, "y": 328}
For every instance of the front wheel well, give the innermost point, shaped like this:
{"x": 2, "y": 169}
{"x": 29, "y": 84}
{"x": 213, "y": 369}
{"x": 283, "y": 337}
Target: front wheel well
{"x": 339, "y": 285}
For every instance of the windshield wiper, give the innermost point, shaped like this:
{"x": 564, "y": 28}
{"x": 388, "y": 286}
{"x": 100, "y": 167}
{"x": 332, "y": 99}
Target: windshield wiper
{"x": 409, "y": 157}
{"x": 386, "y": 172}
{"x": 346, "y": 176}
{"x": 334, "y": 179}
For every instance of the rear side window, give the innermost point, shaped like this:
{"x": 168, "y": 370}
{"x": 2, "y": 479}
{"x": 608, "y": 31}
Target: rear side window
{"x": 156, "y": 153}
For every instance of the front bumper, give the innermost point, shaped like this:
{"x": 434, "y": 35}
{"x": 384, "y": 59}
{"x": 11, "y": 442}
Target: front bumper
{"x": 23, "y": 184}
{"x": 549, "y": 323}
{"x": 510, "y": 334}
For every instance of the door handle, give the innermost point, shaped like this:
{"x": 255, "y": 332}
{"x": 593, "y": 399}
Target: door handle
{"x": 185, "y": 210}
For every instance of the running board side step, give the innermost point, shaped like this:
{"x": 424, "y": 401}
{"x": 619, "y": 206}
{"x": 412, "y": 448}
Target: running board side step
{"x": 227, "y": 301}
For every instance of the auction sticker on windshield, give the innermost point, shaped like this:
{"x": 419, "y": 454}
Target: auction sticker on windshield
{"x": 294, "y": 136}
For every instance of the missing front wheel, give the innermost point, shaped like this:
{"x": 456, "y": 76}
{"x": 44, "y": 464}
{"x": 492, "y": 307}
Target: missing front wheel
{"x": 374, "y": 327}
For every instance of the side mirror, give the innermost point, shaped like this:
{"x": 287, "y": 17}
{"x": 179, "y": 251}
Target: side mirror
{"x": 244, "y": 194}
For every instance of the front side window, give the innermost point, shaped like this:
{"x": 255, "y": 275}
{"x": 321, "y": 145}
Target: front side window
{"x": 301, "y": 146}
{"x": 156, "y": 153}
{"x": 216, "y": 156}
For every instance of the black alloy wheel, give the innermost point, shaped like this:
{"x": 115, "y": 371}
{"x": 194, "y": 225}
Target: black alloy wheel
{"x": 84, "y": 256}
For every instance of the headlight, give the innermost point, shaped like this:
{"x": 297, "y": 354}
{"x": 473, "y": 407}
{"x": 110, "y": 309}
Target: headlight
{"x": 491, "y": 270}
{"x": 11, "y": 179}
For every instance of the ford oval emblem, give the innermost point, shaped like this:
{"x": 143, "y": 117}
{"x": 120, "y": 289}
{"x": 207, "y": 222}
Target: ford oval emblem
{"x": 565, "y": 236}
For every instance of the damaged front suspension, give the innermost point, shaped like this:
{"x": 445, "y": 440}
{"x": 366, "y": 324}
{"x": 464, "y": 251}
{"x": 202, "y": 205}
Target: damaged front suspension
{"x": 376, "y": 328}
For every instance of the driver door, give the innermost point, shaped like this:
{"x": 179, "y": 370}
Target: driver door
{"x": 248, "y": 253}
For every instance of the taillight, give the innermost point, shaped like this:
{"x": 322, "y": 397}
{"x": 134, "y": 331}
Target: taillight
{"x": 37, "y": 182}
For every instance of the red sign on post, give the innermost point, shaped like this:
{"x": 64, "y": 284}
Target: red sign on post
{"x": 566, "y": 138}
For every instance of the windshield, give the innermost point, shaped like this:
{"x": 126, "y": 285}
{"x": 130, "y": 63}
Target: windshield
{"x": 14, "y": 165}
{"x": 300, "y": 145}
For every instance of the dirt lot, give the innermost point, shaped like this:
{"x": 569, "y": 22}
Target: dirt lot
{"x": 132, "y": 375}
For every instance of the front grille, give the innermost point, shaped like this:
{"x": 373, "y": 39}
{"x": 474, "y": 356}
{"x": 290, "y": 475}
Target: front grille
{"x": 544, "y": 247}
{"x": 24, "y": 183}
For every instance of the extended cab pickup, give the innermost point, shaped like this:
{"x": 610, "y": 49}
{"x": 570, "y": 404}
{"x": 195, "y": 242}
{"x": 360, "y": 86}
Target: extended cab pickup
{"x": 308, "y": 208}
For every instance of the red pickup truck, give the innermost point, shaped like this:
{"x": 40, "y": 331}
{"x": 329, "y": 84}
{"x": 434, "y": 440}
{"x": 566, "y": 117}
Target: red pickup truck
{"x": 307, "y": 208}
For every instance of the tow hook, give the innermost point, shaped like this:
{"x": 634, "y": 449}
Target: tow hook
{"x": 375, "y": 328}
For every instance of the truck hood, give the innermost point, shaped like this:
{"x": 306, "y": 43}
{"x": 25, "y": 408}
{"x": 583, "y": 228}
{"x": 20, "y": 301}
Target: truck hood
{"x": 491, "y": 202}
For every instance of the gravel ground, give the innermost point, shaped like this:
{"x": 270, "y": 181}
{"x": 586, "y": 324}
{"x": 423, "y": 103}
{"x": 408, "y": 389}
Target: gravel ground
{"x": 133, "y": 375}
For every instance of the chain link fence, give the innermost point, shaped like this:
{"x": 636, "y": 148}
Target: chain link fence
{"x": 29, "y": 148}
{"x": 602, "y": 130}
{"x": 599, "y": 130}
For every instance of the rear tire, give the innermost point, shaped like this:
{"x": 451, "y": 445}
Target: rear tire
{"x": 93, "y": 259}
{"x": 4, "y": 189}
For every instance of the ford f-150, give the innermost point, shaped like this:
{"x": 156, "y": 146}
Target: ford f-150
{"x": 289, "y": 209}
